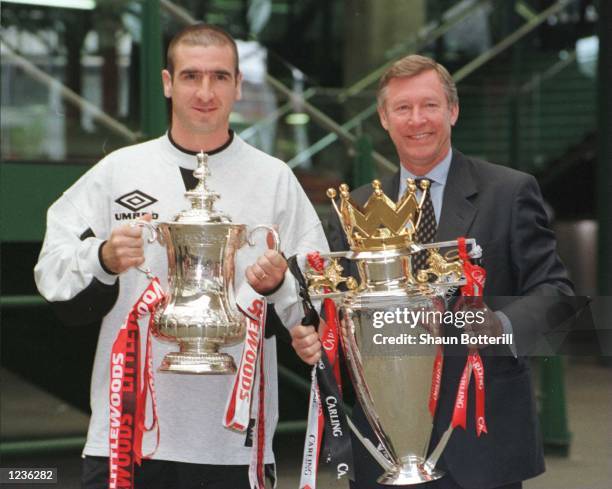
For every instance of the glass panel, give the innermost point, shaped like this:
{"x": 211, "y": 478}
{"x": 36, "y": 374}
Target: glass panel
{"x": 61, "y": 66}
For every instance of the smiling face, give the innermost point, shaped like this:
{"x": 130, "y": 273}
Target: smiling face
{"x": 203, "y": 89}
{"x": 418, "y": 118}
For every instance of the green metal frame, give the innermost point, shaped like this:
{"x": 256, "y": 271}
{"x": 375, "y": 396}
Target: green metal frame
{"x": 153, "y": 113}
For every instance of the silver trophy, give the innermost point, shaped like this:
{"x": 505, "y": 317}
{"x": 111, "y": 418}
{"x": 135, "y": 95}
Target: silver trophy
{"x": 392, "y": 380}
{"x": 199, "y": 311}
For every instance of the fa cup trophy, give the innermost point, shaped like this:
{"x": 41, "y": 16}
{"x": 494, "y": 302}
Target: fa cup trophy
{"x": 391, "y": 373}
{"x": 199, "y": 311}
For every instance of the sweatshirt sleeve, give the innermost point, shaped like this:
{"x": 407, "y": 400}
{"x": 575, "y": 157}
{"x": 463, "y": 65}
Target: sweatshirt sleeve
{"x": 301, "y": 232}
{"x": 69, "y": 273}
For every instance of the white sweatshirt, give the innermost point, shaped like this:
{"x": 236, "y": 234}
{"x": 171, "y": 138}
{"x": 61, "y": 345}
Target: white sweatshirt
{"x": 255, "y": 188}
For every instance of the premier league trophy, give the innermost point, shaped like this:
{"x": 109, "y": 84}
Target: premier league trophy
{"x": 199, "y": 311}
{"x": 392, "y": 374}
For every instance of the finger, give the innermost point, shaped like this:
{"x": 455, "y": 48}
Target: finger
{"x": 270, "y": 241}
{"x": 129, "y": 252}
{"x": 127, "y": 242}
{"x": 275, "y": 258}
{"x": 301, "y": 331}
{"x": 251, "y": 277}
{"x": 308, "y": 350}
{"x": 131, "y": 230}
{"x": 260, "y": 273}
{"x": 136, "y": 261}
{"x": 309, "y": 353}
{"x": 311, "y": 360}
{"x": 127, "y": 263}
{"x": 306, "y": 341}
{"x": 263, "y": 262}
{"x": 273, "y": 270}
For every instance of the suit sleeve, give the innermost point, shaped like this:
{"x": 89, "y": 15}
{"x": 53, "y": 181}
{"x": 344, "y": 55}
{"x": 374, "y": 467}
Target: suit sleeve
{"x": 546, "y": 294}
{"x": 69, "y": 273}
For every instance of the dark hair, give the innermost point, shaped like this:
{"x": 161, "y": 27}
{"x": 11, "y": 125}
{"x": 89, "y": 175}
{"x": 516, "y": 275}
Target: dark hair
{"x": 201, "y": 35}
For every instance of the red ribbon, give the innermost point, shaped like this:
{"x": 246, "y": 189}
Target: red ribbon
{"x": 475, "y": 280}
{"x": 257, "y": 310}
{"x": 436, "y": 381}
{"x": 251, "y": 374}
{"x": 127, "y": 400}
{"x": 473, "y": 365}
{"x": 475, "y": 275}
{"x": 238, "y": 408}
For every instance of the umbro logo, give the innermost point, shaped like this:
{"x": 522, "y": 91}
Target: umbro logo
{"x": 134, "y": 201}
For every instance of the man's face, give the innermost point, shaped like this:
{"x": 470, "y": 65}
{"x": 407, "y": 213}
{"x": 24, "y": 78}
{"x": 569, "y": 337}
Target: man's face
{"x": 203, "y": 90}
{"x": 419, "y": 119}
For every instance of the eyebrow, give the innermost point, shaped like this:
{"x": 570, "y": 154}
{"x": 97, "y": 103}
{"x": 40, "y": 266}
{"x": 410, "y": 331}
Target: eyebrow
{"x": 216, "y": 72}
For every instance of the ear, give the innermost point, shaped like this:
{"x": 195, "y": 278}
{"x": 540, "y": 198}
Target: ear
{"x": 382, "y": 115}
{"x": 239, "y": 86}
{"x": 167, "y": 83}
{"x": 454, "y": 114}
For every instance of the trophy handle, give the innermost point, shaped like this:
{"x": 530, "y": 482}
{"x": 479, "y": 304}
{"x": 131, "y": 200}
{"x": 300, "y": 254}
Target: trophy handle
{"x": 270, "y": 229}
{"x": 153, "y": 236}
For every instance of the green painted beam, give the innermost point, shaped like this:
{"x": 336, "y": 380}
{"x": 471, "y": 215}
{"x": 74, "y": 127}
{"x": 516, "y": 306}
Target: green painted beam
{"x": 553, "y": 409}
{"x": 153, "y": 116}
{"x": 26, "y": 192}
{"x": 363, "y": 166}
{"x": 21, "y": 301}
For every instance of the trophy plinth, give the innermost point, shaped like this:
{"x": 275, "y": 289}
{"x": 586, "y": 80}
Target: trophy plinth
{"x": 189, "y": 361}
{"x": 411, "y": 472}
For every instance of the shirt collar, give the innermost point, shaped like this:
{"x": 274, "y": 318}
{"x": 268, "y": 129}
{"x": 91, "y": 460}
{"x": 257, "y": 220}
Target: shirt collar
{"x": 438, "y": 174}
{"x": 209, "y": 153}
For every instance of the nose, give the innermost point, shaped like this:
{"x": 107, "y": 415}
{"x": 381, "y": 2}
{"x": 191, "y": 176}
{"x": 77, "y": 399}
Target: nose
{"x": 205, "y": 90}
{"x": 416, "y": 116}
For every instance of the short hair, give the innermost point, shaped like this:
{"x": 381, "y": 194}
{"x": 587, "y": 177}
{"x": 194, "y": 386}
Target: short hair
{"x": 201, "y": 35}
{"x": 412, "y": 65}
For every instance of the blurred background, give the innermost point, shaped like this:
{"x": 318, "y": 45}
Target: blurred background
{"x": 80, "y": 78}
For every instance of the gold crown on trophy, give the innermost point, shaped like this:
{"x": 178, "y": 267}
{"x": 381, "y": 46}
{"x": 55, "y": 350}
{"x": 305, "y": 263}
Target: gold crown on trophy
{"x": 381, "y": 224}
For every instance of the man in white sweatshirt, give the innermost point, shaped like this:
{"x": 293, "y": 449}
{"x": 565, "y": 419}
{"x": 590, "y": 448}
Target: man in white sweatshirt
{"x": 87, "y": 266}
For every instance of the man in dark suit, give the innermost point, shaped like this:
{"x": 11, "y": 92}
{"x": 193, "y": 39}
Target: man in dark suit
{"x": 503, "y": 209}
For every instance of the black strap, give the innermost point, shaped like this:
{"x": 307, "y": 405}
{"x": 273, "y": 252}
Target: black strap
{"x": 337, "y": 450}
{"x": 311, "y": 317}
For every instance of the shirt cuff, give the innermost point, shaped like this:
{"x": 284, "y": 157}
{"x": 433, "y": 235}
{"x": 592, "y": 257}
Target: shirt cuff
{"x": 93, "y": 263}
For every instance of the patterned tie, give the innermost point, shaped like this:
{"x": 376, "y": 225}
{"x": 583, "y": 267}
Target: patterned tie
{"x": 426, "y": 231}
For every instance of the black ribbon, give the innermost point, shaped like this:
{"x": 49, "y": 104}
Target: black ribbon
{"x": 337, "y": 449}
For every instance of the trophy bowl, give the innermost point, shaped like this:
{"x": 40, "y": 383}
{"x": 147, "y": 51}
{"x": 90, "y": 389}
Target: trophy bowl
{"x": 392, "y": 384}
{"x": 392, "y": 381}
{"x": 199, "y": 310}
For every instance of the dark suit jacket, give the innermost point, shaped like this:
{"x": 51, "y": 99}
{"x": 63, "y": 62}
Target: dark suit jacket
{"x": 503, "y": 209}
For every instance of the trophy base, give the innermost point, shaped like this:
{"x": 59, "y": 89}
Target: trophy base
{"x": 409, "y": 474}
{"x": 198, "y": 363}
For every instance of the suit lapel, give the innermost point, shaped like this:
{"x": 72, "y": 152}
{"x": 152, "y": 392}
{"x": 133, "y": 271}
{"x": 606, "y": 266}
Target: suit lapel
{"x": 390, "y": 185}
{"x": 458, "y": 211}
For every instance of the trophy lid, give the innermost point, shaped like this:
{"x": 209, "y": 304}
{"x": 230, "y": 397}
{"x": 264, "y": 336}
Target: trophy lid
{"x": 202, "y": 199}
